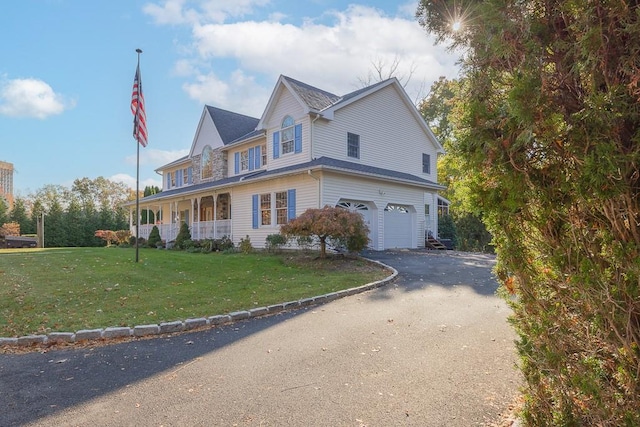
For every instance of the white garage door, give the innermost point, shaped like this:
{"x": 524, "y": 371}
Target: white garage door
{"x": 397, "y": 227}
{"x": 363, "y": 209}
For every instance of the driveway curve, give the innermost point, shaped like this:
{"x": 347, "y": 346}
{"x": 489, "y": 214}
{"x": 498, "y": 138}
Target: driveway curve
{"x": 432, "y": 349}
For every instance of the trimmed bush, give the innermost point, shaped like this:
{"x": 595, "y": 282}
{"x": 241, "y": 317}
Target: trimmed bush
{"x": 275, "y": 242}
{"x": 154, "y": 237}
{"x": 183, "y": 235}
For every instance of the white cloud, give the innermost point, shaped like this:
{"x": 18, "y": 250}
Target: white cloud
{"x": 171, "y": 12}
{"x": 238, "y": 93}
{"x": 155, "y": 157}
{"x": 176, "y": 12}
{"x": 130, "y": 181}
{"x": 30, "y": 98}
{"x": 408, "y": 9}
{"x": 184, "y": 68}
{"x": 335, "y": 52}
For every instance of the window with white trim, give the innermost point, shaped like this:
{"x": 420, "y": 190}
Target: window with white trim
{"x": 244, "y": 160}
{"x": 426, "y": 163}
{"x": 287, "y": 135}
{"x": 353, "y": 145}
{"x": 281, "y": 207}
{"x": 173, "y": 179}
{"x": 271, "y": 209}
{"x": 265, "y": 209}
{"x": 185, "y": 176}
{"x": 263, "y": 152}
{"x": 206, "y": 163}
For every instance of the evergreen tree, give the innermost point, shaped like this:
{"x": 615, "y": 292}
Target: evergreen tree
{"x": 19, "y": 214}
{"x": 55, "y": 229}
{"x": 154, "y": 237}
{"x": 4, "y": 211}
{"x": 74, "y": 221}
{"x": 549, "y": 138}
{"x": 183, "y": 235}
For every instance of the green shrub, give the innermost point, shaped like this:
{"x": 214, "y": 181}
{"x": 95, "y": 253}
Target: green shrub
{"x": 154, "y": 237}
{"x": 275, "y": 242}
{"x": 223, "y": 244}
{"x": 472, "y": 234}
{"x": 305, "y": 243}
{"x": 245, "y": 245}
{"x": 447, "y": 229}
{"x": 183, "y": 235}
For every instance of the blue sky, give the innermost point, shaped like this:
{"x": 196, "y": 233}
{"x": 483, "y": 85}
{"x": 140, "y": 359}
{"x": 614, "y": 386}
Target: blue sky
{"x": 67, "y": 68}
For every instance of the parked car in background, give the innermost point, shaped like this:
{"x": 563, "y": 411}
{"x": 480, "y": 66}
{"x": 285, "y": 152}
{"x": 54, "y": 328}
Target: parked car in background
{"x": 18, "y": 242}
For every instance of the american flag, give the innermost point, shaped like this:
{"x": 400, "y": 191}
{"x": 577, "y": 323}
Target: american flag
{"x": 137, "y": 108}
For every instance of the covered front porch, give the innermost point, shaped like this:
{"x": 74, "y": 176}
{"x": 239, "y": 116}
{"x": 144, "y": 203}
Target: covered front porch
{"x": 208, "y": 217}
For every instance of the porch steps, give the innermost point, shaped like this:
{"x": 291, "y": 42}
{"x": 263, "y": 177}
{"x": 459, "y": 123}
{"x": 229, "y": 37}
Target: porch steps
{"x": 433, "y": 243}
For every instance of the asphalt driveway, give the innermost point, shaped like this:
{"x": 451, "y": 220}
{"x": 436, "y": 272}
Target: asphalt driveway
{"x": 432, "y": 349}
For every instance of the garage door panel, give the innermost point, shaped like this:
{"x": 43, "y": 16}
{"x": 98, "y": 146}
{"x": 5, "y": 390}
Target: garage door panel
{"x": 397, "y": 227}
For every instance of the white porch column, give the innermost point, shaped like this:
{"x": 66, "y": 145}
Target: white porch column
{"x": 190, "y": 219}
{"x": 215, "y": 215}
{"x": 199, "y": 200}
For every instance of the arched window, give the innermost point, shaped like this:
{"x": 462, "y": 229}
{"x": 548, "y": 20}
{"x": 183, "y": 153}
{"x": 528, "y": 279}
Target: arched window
{"x": 287, "y": 135}
{"x": 206, "y": 163}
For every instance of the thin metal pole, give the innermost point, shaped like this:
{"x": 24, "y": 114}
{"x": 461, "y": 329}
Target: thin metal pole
{"x": 139, "y": 51}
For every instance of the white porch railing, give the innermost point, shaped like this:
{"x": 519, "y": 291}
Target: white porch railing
{"x": 211, "y": 229}
{"x": 199, "y": 230}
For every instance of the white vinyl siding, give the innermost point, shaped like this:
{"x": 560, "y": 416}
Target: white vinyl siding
{"x": 207, "y": 134}
{"x": 395, "y": 140}
{"x": 287, "y": 105}
{"x": 306, "y": 196}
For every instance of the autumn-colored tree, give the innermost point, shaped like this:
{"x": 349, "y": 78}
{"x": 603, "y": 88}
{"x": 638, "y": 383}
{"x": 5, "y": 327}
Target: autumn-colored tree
{"x": 334, "y": 224}
{"x": 108, "y": 236}
{"x": 550, "y": 141}
{"x": 122, "y": 236}
{"x": 10, "y": 229}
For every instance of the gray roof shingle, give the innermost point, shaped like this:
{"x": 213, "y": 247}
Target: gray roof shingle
{"x": 325, "y": 162}
{"x": 231, "y": 126}
{"x": 316, "y": 99}
{"x": 331, "y": 163}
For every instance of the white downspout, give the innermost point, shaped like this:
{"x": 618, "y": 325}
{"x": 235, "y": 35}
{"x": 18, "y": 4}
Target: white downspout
{"x": 311, "y": 136}
{"x": 319, "y": 187}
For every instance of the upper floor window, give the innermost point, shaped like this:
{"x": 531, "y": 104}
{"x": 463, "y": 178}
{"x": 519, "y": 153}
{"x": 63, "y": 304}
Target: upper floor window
{"x": 173, "y": 179}
{"x": 185, "y": 176}
{"x": 206, "y": 163}
{"x": 353, "y": 145}
{"x": 287, "y": 135}
{"x": 244, "y": 160}
{"x": 250, "y": 159}
{"x": 426, "y": 163}
{"x": 263, "y": 154}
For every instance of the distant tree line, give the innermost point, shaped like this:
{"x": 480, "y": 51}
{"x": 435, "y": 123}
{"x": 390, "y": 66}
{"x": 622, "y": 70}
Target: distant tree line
{"x": 73, "y": 215}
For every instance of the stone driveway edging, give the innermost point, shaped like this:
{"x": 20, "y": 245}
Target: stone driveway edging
{"x": 114, "y": 332}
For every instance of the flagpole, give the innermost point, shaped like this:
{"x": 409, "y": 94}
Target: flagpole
{"x": 138, "y": 51}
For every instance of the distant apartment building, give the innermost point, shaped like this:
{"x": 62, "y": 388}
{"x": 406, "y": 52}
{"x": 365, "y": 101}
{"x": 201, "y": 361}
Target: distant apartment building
{"x": 6, "y": 182}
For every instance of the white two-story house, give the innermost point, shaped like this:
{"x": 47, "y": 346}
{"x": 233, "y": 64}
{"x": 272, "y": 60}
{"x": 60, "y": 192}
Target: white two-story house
{"x": 369, "y": 151}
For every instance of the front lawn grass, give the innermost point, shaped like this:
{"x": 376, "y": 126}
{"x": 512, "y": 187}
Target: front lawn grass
{"x": 69, "y": 289}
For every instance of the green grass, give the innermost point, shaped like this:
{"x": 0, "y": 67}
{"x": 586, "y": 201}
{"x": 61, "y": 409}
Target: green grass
{"x": 68, "y": 289}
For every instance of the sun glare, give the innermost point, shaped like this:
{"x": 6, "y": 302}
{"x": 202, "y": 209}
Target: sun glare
{"x": 458, "y": 15}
